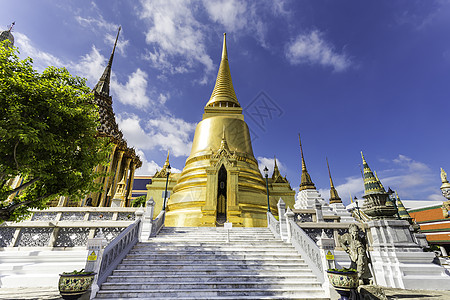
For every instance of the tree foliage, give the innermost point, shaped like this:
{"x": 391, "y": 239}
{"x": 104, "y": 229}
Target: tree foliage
{"x": 139, "y": 201}
{"x": 48, "y": 125}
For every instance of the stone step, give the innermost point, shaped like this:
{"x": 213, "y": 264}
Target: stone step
{"x": 194, "y": 251}
{"x": 196, "y": 278}
{"x": 213, "y": 229}
{"x": 198, "y": 263}
{"x": 212, "y": 245}
{"x": 158, "y": 267}
{"x": 203, "y": 256}
{"x": 214, "y": 272}
{"x": 294, "y": 293}
{"x": 215, "y": 261}
{"x": 158, "y": 286}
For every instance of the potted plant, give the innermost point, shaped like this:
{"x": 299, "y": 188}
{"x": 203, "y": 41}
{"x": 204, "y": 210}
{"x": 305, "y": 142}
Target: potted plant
{"x": 343, "y": 280}
{"x": 72, "y": 285}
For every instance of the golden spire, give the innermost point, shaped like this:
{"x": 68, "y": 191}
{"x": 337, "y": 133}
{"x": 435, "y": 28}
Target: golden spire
{"x": 334, "y": 197}
{"x": 276, "y": 171}
{"x": 166, "y": 164}
{"x": 306, "y": 182}
{"x": 371, "y": 184}
{"x": 223, "y": 94}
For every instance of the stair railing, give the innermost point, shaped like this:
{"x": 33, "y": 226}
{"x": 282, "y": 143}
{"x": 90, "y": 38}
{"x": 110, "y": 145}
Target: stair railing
{"x": 158, "y": 223}
{"x": 319, "y": 257}
{"x": 273, "y": 224}
{"x": 109, "y": 257}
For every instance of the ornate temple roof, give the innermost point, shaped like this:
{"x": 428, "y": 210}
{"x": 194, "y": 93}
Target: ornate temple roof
{"x": 223, "y": 93}
{"x": 371, "y": 183}
{"x": 276, "y": 176}
{"x": 7, "y": 35}
{"x": 306, "y": 182}
{"x": 402, "y": 212}
{"x": 165, "y": 169}
{"x": 108, "y": 126}
{"x": 334, "y": 197}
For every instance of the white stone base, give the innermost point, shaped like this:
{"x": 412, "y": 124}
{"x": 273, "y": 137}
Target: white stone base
{"x": 399, "y": 262}
{"x": 38, "y": 266}
{"x": 306, "y": 199}
{"x": 340, "y": 210}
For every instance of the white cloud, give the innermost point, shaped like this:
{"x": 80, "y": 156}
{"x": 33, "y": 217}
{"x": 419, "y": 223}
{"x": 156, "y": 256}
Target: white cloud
{"x": 311, "y": 48}
{"x": 269, "y": 163}
{"x": 164, "y": 133}
{"x": 41, "y": 59}
{"x": 230, "y": 13}
{"x": 134, "y": 91}
{"x": 353, "y": 186}
{"x": 176, "y": 34}
{"x": 105, "y": 29}
{"x": 148, "y": 167}
{"x": 90, "y": 66}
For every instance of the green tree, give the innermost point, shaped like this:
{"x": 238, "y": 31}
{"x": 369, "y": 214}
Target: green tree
{"x": 139, "y": 201}
{"x": 48, "y": 135}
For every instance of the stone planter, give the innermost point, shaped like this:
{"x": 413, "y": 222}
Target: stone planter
{"x": 343, "y": 282}
{"x": 73, "y": 286}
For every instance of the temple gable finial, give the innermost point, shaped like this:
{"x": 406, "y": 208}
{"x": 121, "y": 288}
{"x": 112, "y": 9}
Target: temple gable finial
{"x": 11, "y": 26}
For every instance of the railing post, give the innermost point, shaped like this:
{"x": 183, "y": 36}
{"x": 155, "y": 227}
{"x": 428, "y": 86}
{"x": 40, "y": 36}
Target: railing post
{"x": 140, "y": 216}
{"x": 319, "y": 213}
{"x": 147, "y": 221}
{"x": 326, "y": 246}
{"x": 95, "y": 248}
{"x": 289, "y": 217}
{"x": 282, "y": 218}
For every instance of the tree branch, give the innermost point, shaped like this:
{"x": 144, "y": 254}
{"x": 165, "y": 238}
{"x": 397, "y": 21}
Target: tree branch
{"x": 15, "y": 157}
{"x": 14, "y": 206}
{"x": 24, "y": 186}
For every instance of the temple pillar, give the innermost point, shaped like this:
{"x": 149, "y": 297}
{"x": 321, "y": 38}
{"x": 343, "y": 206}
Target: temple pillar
{"x": 130, "y": 184}
{"x": 233, "y": 210}
{"x": 113, "y": 186}
{"x": 108, "y": 177}
{"x": 209, "y": 210}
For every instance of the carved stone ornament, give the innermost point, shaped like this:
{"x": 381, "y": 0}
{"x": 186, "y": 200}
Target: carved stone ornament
{"x": 446, "y": 209}
{"x": 354, "y": 244}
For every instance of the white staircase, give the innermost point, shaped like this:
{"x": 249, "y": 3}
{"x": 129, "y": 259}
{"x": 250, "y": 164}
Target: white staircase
{"x": 199, "y": 263}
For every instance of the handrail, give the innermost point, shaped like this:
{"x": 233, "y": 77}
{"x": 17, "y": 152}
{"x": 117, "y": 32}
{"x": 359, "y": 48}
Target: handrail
{"x": 273, "y": 224}
{"x": 307, "y": 248}
{"x": 158, "y": 223}
{"x": 117, "y": 250}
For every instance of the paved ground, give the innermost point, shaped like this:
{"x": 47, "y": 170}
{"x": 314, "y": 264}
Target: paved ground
{"x": 416, "y": 294}
{"x": 53, "y": 294}
{"x": 29, "y": 294}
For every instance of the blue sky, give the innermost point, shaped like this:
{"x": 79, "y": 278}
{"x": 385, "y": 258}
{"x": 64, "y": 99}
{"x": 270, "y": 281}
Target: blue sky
{"x": 346, "y": 75}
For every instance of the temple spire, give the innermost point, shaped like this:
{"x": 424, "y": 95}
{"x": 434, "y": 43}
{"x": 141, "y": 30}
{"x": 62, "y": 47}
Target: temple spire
{"x": 102, "y": 87}
{"x": 334, "y": 197}
{"x": 306, "y": 182}
{"x": 372, "y": 184}
{"x": 223, "y": 94}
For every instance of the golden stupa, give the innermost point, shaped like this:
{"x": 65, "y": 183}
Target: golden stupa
{"x": 221, "y": 180}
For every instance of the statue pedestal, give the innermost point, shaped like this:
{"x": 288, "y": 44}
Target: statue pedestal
{"x": 399, "y": 262}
